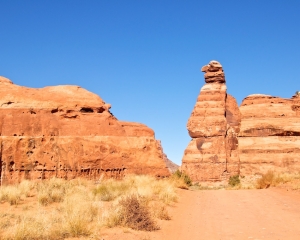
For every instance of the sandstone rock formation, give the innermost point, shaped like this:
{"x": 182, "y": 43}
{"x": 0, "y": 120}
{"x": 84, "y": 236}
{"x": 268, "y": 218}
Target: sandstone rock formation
{"x": 67, "y": 132}
{"x": 263, "y": 134}
{"x": 212, "y": 154}
{"x": 269, "y": 138}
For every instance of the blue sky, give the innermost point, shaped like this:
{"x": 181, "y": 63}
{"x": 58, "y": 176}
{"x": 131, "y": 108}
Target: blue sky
{"x": 144, "y": 56}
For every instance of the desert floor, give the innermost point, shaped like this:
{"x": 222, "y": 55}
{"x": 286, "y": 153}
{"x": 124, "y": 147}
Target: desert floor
{"x": 225, "y": 214}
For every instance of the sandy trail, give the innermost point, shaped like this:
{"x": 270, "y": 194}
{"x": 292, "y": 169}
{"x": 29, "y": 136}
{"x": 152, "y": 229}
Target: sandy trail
{"x": 230, "y": 214}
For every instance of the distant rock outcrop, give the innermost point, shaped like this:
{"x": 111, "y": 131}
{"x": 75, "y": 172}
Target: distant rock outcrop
{"x": 68, "y": 132}
{"x": 263, "y": 134}
{"x": 172, "y": 167}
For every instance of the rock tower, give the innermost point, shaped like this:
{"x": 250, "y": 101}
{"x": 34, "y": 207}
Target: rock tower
{"x": 214, "y": 124}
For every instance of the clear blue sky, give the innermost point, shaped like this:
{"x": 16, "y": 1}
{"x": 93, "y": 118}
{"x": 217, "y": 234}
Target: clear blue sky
{"x": 144, "y": 56}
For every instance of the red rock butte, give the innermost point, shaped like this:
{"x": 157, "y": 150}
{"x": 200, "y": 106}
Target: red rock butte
{"x": 68, "y": 132}
{"x": 262, "y": 134}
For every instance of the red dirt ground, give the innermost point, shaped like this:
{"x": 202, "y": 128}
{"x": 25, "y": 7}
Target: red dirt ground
{"x": 226, "y": 214}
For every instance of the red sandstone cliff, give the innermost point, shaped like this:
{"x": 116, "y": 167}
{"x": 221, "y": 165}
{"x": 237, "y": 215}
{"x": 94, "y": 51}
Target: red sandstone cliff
{"x": 66, "y": 131}
{"x": 269, "y": 138}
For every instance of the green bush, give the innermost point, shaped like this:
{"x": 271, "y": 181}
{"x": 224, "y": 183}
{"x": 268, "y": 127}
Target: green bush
{"x": 234, "y": 180}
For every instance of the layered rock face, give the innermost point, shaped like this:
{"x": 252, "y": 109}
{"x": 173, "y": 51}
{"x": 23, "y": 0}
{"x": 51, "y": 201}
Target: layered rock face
{"x": 269, "y": 138}
{"x": 68, "y": 132}
{"x": 263, "y": 134}
{"x": 214, "y": 124}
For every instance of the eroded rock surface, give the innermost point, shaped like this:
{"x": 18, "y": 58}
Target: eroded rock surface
{"x": 67, "y": 132}
{"x": 263, "y": 134}
{"x": 212, "y": 154}
{"x": 269, "y": 138}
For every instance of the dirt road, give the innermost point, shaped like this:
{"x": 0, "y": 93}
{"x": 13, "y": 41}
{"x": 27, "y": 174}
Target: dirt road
{"x": 231, "y": 214}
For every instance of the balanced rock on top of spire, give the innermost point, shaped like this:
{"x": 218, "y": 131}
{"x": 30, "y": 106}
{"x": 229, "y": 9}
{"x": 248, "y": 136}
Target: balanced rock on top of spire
{"x": 213, "y": 72}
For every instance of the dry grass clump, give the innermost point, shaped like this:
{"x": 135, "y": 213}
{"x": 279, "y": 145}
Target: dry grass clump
{"x": 15, "y": 193}
{"x": 52, "y": 190}
{"x": 111, "y": 189}
{"x": 38, "y": 226}
{"x": 160, "y": 211}
{"x": 11, "y": 194}
{"x": 82, "y": 208}
{"x": 266, "y": 180}
{"x": 79, "y": 214}
{"x": 146, "y": 187}
{"x": 181, "y": 180}
{"x": 167, "y": 194}
{"x": 56, "y": 189}
{"x": 274, "y": 179}
{"x": 54, "y": 225}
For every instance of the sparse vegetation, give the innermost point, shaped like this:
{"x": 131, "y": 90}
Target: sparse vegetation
{"x": 160, "y": 211}
{"x": 198, "y": 186}
{"x": 266, "y": 180}
{"x": 274, "y": 179}
{"x": 59, "y": 209}
{"x": 234, "y": 181}
{"x": 181, "y": 179}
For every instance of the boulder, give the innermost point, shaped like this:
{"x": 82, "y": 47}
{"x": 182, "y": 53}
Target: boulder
{"x": 213, "y": 72}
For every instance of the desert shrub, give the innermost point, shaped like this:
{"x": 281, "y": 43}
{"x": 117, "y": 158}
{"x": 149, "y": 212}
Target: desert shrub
{"x": 266, "y": 180}
{"x": 52, "y": 190}
{"x": 272, "y": 179}
{"x": 27, "y": 187}
{"x": 44, "y": 198}
{"x": 78, "y": 215}
{"x": 234, "y": 181}
{"x": 181, "y": 179}
{"x": 113, "y": 217}
{"x": 34, "y": 227}
{"x": 145, "y": 186}
{"x": 168, "y": 195}
{"x": 111, "y": 189}
{"x": 136, "y": 215}
{"x": 159, "y": 211}
{"x": 103, "y": 192}
{"x": 11, "y": 194}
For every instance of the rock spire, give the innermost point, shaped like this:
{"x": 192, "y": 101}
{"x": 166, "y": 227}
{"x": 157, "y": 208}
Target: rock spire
{"x": 212, "y": 154}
